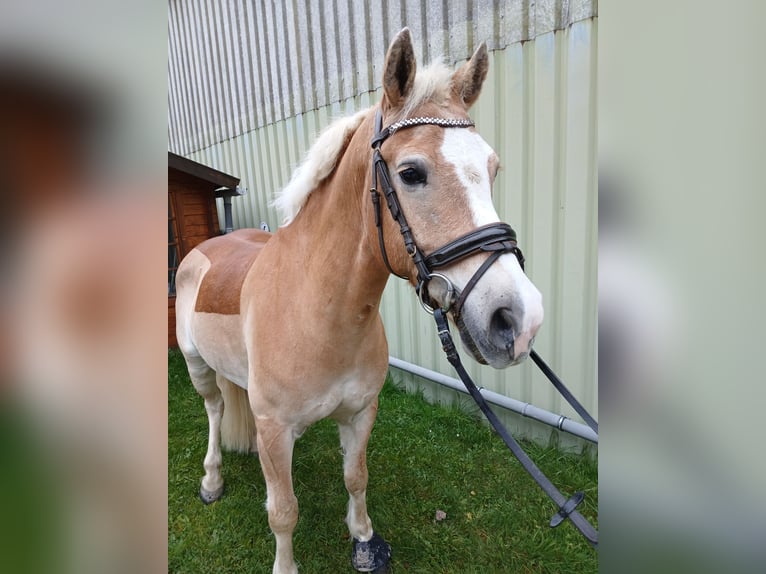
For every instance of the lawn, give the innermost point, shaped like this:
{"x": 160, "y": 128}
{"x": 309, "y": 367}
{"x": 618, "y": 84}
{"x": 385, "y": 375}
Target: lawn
{"x": 422, "y": 459}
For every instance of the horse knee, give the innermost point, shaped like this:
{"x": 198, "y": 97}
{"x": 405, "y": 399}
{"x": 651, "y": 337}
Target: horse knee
{"x": 355, "y": 479}
{"x": 283, "y": 514}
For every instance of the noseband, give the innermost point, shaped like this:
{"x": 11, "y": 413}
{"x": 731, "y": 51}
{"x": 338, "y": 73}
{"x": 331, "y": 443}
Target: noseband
{"x": 494, "y": 238}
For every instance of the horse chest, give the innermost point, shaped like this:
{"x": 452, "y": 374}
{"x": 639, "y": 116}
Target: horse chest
{"x": 342, "y": 397}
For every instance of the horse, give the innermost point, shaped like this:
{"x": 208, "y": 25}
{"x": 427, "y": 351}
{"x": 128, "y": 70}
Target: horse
{"x": 284, "y": 329}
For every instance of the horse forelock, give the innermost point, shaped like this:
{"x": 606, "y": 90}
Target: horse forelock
{"x": 433, "y": 84}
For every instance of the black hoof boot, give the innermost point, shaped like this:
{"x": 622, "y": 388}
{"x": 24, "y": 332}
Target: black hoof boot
{"x": 371, "y": 556}
{"x": 209, "y": 497}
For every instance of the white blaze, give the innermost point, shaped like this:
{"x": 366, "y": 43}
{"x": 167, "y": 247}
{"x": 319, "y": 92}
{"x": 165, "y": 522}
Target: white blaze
{"x": 469, "y": 154}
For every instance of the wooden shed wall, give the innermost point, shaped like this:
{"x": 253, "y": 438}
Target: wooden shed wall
{"x": 193, "y": 215}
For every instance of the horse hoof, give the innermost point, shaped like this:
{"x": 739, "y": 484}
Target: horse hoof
{"x": 208, "y": 497}
{"x": 371, "y": 556}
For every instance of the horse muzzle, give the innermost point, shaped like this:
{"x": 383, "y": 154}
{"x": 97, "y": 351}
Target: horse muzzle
{"x": 499, "y": 341}
{"x": 500, "y": 320}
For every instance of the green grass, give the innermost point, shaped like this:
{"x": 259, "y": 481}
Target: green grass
{"x": 422, "y": 458}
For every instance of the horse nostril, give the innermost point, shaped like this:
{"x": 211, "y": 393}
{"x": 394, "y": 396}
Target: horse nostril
{"x": 501, "y": 326}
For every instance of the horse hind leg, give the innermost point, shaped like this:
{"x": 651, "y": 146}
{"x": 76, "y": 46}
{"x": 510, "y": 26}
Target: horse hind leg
{"x": 204, "y": 380}
{"x": 370, "y": 553}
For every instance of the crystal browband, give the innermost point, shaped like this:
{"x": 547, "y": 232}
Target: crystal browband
{"x": 443, "y": 122}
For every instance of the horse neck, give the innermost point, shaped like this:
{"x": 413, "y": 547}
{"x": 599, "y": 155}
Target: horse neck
{"x": 338, "y": 230}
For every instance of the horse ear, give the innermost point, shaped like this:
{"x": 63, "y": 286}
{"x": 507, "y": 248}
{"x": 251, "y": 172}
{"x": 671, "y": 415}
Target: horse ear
{"x": 467, "y": 80}
{"x": 399, "y": 69}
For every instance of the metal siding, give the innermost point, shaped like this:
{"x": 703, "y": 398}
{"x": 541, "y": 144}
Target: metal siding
{"x": 537, "y": 109}
{"x": 238, "y": 65}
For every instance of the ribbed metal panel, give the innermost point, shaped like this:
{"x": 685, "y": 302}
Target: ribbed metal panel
{"x": 238, "y": 65}
{"x": 537, "y": 109}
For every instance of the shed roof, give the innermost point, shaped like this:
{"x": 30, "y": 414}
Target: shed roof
{"x": 203, "y": 172}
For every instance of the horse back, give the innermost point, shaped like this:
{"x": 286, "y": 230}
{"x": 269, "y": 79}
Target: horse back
{"x": 231, "y": 256}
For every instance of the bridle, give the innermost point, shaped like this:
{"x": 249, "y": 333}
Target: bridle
{"x": 494, "y": 238}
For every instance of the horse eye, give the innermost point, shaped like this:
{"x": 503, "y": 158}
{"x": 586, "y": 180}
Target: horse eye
{"x": 412, "y": 176}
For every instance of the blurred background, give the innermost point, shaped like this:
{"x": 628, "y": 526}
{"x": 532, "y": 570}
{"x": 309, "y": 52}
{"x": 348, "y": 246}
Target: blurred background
{"x": 82, "y": 394}
{"x": 83, "y": 147}
{"x": 681, "y": 284}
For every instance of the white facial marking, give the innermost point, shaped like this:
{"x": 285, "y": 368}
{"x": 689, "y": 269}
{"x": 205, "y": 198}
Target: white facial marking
{"x": 469, "y": 153}
{"x": 505, "y": 281}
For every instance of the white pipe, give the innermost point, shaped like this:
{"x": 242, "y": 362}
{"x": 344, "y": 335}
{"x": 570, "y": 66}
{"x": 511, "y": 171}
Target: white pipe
{"x": 525, "y": 409}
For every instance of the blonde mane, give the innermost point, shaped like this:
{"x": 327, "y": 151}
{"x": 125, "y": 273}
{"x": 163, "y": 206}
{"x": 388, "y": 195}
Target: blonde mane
{"x": 433, "y": 83}
{"x": 319, "y": 163}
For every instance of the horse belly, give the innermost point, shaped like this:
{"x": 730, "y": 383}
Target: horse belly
{"x": 219, "y": 341}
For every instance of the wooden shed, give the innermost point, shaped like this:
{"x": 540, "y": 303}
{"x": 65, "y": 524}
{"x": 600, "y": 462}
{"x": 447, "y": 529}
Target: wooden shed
{"x": 193, "y": 215}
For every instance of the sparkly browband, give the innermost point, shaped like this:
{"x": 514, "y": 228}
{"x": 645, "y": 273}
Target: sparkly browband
{"x": 443, "y": 122}
{"x": 423, "y": 120}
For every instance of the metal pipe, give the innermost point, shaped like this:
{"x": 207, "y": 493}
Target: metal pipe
{"x": 227, "y": 193}
{"x": 227, "y": 217}
{"x": 525, "y": 409}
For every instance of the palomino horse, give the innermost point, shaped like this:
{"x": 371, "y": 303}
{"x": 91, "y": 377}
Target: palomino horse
{"x": 292, "y": 319}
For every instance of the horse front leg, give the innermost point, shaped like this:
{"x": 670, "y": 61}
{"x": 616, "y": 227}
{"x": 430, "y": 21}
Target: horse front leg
{"x": 275, "y": 450}
{"x": 370, "y": 553}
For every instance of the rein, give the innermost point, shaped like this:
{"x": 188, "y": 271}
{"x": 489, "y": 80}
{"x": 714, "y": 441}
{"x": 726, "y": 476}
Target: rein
{"x": 495, "y": 239}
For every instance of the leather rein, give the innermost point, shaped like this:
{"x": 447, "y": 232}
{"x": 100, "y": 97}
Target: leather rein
{"x": 495, "y": 239}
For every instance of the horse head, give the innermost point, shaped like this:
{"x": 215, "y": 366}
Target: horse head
{"x": 441, "y": 172}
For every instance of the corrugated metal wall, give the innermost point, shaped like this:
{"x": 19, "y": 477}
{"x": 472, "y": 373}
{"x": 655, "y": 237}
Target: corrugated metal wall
{"x": 538, "y": 110}
{"x": 239, "y": 65}
{"x": 250, "y": 84}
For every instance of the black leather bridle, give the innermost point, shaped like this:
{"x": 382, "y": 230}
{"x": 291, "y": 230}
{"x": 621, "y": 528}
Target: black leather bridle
{"x": 495, "y": 238}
